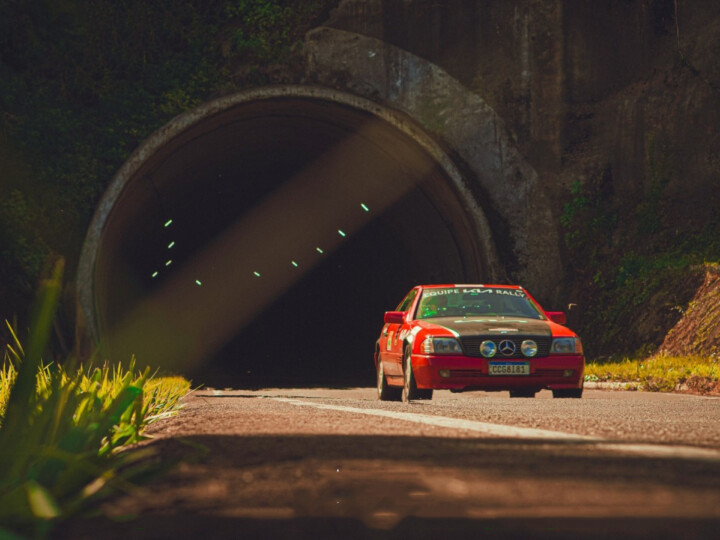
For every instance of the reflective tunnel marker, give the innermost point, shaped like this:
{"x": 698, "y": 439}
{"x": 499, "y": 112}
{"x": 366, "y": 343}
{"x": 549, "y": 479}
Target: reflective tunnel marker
{"x": 341, "y": 233}
{"x": 364, "y": 207}
{"x": 257, "y": 274}
{"x": 294, "y": 264}
{"x": 168, "y": 263}
{"x": 168, "y": 222}
{"x": 198, "y": 282}
{"x": 155, "y": 274}
{"x": 319, "y": 250}
{"x": 170, "y": 245}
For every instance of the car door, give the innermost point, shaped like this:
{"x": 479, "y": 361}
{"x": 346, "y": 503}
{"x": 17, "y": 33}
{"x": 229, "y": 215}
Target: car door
{"x": 392, "y": 353}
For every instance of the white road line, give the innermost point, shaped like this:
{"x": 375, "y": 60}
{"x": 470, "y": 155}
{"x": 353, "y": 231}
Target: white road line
{"x": 500, "y": 430}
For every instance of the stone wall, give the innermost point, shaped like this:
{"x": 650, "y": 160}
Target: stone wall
{"x": 623, "y": 96}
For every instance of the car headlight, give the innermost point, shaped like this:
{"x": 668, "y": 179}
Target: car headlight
{"x": 566, "y": 345}
{"x": 529, "y": 348}
{"x": 488, "y": 348}
{"x": 440, "y": 345}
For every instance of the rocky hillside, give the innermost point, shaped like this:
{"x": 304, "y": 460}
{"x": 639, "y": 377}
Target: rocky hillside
{"x": 698, "y": 330}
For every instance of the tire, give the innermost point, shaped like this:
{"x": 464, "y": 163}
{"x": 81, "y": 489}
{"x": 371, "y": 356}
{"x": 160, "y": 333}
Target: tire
{"x": 385, "y": 391}
{"x": 575, "y": 393}
{"x": 425, "y": 393}
{"x": 410, "y": 389}
{"x": 523, "y": 393}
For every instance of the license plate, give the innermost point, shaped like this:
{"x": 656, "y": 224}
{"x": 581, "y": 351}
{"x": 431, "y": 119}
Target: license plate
{"x": 509, "y": 368}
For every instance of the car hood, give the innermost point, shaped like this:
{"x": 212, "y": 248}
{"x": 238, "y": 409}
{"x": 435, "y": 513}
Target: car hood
{"x": 491, "y": 326}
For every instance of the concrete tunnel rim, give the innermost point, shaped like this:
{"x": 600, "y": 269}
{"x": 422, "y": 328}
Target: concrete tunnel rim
{"x": 87, "y": 322}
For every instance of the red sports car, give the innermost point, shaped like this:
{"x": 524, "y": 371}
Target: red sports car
{"x": 476, "y": 337}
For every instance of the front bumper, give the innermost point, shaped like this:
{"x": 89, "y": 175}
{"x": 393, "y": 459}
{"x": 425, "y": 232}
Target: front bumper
{"x": 464, "y": 373}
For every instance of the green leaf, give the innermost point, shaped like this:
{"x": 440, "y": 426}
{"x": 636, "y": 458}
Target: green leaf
{"x": 26, "y": 501}
{"x": 6, "y": 534}
{"x": 42, "y": 504}
{"x": 23, "y": 391}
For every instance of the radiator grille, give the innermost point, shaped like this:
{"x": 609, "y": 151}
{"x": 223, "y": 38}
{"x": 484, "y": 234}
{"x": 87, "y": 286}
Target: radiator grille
{"x": 471, "y": 345}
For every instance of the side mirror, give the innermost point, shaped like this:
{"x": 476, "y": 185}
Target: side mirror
{"x": 395, "y": 317}
{"x": 557, "y": 316}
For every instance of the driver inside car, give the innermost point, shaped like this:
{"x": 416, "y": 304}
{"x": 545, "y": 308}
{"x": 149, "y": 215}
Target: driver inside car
{"x": 434, "y": 306}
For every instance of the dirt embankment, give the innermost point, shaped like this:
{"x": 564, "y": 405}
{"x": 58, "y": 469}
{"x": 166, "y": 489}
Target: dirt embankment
{"x": 698, "y": 330}
{"x": 697, "y": 333}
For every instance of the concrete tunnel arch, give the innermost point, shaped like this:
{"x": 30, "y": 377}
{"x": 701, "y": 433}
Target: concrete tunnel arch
{"x": 211, "y": 192}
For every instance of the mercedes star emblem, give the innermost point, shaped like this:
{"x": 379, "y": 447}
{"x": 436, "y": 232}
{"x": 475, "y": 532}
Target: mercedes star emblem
{"x": 506, "y": 348}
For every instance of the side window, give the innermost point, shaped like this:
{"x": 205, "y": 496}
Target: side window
{"x": 407, "y": 301}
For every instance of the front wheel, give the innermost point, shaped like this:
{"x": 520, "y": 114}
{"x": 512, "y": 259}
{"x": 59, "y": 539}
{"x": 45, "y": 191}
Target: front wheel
{"x": 568, "y": 393}
{"x": 410, "y": 390}
{"x": 385, "y": 391}
{"x": 522, "y": 393}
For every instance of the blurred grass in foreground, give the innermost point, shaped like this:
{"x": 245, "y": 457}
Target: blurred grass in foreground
{"x": 659, "y": 373}
{"x": 63, "y": 428}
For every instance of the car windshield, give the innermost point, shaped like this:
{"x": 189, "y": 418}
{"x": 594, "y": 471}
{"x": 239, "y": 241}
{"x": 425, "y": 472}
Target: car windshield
{"x": 476, "y": 301}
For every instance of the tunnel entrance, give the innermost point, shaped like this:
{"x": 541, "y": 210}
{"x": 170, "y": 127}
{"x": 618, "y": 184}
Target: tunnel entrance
{"x": 257, "y": 241}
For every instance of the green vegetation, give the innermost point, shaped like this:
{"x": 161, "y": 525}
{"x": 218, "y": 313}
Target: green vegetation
{"x": 586, "y": 218}
{"x": 84, "y": 83}
{"x": 634, "y": 255}
{"x": 263, "y": 29}
{"x": 659, "y": 373}
{"x": 64, "y": 429}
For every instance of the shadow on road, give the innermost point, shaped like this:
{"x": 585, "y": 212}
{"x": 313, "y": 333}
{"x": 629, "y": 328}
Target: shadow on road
{"x": 281, "y": 486}
{"x": 155, "y": 527}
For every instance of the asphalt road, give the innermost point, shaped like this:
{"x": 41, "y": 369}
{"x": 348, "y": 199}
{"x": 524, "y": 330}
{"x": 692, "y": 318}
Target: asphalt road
{"x": 320, "y": 463}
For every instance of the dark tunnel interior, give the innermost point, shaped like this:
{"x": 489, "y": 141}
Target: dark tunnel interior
{"x": 323, "y": 217}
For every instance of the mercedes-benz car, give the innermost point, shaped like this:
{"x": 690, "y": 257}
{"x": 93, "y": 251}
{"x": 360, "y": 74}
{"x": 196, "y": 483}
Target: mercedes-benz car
{"x": 476, "y": 337}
